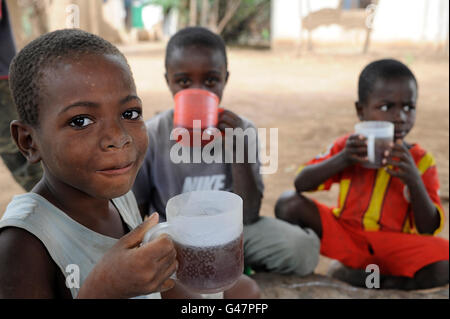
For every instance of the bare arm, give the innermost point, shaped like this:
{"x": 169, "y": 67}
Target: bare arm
{"x": 244, "y": 185}
{"x": 244, "y": 180}
{"x": 26, "y": 268}
{"x": 426, "y": 215}
{"x": 312, "y": 176}
{"x": 131, "y": 269}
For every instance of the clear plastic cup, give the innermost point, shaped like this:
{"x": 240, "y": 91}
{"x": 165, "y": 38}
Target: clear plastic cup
{"x": 207, "y": 230}
{"x": 380, "y": 135}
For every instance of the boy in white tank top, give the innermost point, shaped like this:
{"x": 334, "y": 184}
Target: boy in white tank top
{"x": 78, "y": 233}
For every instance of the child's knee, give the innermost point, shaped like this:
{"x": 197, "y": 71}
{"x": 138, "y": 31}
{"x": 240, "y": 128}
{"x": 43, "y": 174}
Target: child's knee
{"x": 245, "y": 288}
{"x": 303, "y": 251}
{"x": 287, "y": 205}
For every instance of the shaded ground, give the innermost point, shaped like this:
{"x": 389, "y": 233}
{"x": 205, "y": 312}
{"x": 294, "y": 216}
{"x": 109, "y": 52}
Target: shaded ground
{"x": 310, "y": 99}
{"x": 321, "y": 287}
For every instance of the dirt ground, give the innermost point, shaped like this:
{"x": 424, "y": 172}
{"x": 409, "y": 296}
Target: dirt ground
{"x": 309, "y": 97}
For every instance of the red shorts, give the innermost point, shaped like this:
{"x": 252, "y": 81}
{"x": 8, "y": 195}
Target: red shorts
{"x": 396, "y": 254}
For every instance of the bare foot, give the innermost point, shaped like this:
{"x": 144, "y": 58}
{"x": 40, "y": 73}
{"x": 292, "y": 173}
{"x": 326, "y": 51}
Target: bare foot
{"x": 354, "y": 277}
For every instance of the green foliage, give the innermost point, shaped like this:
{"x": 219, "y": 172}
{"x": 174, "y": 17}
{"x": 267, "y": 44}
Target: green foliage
{"x": 166, "y": 4}
{"x": 253, "y": 16}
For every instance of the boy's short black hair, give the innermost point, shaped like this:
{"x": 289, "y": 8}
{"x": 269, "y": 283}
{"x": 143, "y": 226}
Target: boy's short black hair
{"x": 196, "y": 36}
{"x": 27, "y": 67}
{"x": 385, "y": 69}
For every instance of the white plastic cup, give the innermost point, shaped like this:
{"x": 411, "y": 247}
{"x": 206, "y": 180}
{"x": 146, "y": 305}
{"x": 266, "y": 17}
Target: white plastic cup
{"x": 379, "y": 135}
{"x": 207, "y": 230}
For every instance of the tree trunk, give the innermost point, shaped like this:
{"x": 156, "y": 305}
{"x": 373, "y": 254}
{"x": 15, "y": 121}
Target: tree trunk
{"x": 193, "y": 13}
{"x": 232, "y": 6}
{"x": 214, "y": 16}
{"x": 205, "y": 11}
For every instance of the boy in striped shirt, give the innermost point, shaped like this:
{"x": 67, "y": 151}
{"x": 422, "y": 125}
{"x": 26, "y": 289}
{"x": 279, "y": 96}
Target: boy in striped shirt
{"x": 388, "y": 216}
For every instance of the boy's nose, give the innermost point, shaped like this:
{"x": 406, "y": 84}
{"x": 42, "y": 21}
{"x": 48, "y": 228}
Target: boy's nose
{"x": 400, "y": 116}
{"x": 114, "y": 137}
{"x": 200, "y": 86}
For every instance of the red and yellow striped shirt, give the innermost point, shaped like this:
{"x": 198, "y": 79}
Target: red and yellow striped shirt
{"x": 373, "y": 200}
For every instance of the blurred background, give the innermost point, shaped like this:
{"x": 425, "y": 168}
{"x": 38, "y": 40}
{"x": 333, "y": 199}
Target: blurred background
{"x": 259, "y": 23}
{"x": 294, "y": 65}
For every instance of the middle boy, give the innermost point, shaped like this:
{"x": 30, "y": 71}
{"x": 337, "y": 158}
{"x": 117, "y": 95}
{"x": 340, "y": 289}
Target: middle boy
{"x": 196, "y": 58}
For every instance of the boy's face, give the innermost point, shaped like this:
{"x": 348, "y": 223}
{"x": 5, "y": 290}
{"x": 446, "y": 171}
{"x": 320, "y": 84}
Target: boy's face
{"x": 393, "y": 101}
{"x": 91, "y": 134}
{"x": 196, "y": 67}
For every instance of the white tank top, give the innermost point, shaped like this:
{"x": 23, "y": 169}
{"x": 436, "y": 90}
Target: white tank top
{"x": 67, "y": 241}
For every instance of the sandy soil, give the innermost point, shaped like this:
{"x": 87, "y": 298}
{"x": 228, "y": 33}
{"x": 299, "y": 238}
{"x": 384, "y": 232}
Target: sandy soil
{"x": 308, "y": 97}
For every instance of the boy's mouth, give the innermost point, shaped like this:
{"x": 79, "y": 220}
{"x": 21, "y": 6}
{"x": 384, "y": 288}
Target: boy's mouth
{"x": 399, "y": 134}
{"x": 117, "y": 169}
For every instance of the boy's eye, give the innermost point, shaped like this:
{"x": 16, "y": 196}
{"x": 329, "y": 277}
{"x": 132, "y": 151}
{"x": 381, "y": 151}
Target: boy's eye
{"x": 211, "y": 82}
{"x": 80, "y": 122}
{"x": 408, "y": 108}
{"x": 384, "y": 108}
{"x": 131, "y": 114}
{"x": 184, "y": 82}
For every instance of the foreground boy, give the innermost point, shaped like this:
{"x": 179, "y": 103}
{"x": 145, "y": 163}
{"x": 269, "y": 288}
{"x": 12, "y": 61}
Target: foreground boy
{"x": 81, "y": 117}
{"x": 387, "y": 217}
{"x": 196, "y": 58}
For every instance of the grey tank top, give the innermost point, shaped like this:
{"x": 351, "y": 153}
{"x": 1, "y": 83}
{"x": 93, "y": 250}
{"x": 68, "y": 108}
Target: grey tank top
{"x": 71, "y": 245}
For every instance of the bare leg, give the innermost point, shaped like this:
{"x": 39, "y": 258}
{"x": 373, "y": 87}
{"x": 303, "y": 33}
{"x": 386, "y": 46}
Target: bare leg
{"x": 298, "y": 210}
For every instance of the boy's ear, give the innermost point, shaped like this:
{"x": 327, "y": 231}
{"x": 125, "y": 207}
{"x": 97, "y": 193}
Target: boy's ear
{"x": 227, "y": 77}
{"x": 359, "y": 110}
{"x": 22, "y": 135}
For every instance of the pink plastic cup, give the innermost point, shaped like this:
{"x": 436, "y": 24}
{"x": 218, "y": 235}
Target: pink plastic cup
{"x": 195, "y": 105}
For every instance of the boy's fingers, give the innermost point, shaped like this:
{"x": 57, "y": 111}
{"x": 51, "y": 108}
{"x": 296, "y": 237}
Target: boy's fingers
{"x": 222, "y": 126}
{"x": 398, "y": 155}
{"x": 134, "y": 238}
{"x": 159, "y": 248}
{"x": 356, "y": 137}
{"x": 227, "y": 122}
{"x": 360, "y": 159}
{"x": 358, "y": 149}
{"x": 395, "y": 164}
{"x": 161, "y": 259}
{"x": 227, "y": 113}
{"x": 361, "y": 137}
{"x": 168, "y": 268}
{"x": 167, "y": 285}
{"x": 171, "y": 252}
{"x": 357, "y": 143}
{"x": 392, "y": 172}
{"x": 354, "y": 144}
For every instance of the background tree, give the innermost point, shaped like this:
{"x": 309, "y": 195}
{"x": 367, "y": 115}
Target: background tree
{"x": 235, "y": 20}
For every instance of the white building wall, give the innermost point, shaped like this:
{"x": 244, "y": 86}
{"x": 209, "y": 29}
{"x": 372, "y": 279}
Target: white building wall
{"x": 411, "y": 20}
{"x": 285, "y": 21}
{"x": 395, "y": 20}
